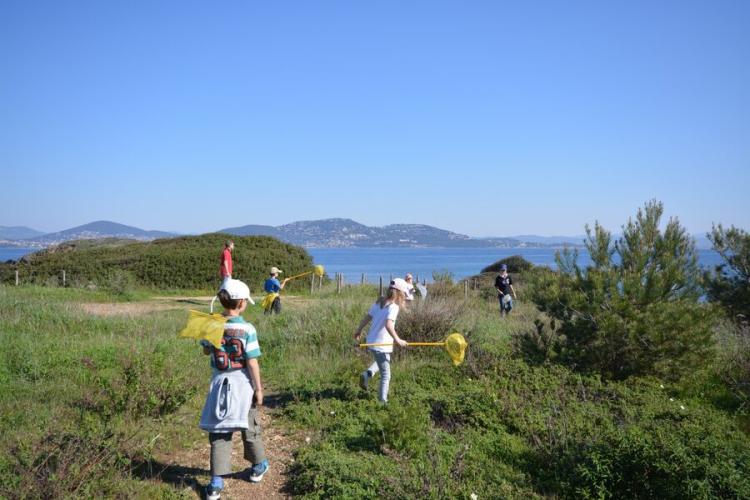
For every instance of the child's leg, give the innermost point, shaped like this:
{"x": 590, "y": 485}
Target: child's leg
{"x": 374, "y": 368}
{"x": 252, "y": 440}
{"x": 383, "y": 361}
{"x": 221, "y": 453}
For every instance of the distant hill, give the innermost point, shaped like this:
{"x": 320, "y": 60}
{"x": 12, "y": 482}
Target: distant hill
{"x": 97, "y": 230}
{"x": 349, "y": 233}
{"x": 18, "y": 233}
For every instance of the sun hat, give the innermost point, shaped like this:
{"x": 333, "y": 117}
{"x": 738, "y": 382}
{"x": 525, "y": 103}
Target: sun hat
{"x": 400, "y": 285}
{"x": 236, "y": 289}
{"x": 276, "y": 270}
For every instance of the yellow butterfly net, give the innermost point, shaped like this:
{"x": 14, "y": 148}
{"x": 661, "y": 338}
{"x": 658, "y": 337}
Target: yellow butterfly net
{"x": 455, "y": 344}
{"x": 317, "y": 271}
{"x": 202, "y": 326}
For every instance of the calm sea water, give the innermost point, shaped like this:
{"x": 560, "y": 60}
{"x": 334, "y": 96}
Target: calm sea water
{"x": 376, "y": 262}
{"x": 461, "y": 262}
{"x": 13, "y": 253}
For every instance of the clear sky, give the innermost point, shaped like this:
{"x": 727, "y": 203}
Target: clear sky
{"x": 485, "y": 118}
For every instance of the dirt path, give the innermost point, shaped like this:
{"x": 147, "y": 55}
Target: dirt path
{"x": 182, "y": 466}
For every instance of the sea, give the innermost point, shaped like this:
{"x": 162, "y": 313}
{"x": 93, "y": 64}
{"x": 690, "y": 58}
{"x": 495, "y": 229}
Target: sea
{"x": 375, "y": 263}
{"x": 423, "y": 262}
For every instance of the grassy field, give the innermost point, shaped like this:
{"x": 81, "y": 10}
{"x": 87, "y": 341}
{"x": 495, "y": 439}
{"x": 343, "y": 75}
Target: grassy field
{"x": 93, "y": 388}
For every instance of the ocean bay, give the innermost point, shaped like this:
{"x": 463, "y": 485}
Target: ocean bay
{"x": 460, "y": 262}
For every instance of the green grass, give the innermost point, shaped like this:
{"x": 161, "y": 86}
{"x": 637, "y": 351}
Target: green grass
{"x": 92, "y": 399}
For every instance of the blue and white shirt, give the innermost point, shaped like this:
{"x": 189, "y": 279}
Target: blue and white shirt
{"x": 239, "y": 344}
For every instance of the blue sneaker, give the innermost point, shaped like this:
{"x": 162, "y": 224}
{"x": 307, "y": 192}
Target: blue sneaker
{"x": 213, "y": 490}
{"x": 259, "y": 470}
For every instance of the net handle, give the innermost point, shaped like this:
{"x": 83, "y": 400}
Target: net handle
{"x": 299, "y": 275}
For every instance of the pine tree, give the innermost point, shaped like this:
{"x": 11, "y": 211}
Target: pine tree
{"x": 635, "y": 310}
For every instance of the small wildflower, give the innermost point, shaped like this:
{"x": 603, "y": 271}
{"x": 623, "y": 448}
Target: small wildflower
{"x": 307, "y": 439}
{"x": 333, "y": 413}
{"x": 671, "y": 399}
{"x": 682, "y": 407}
{"x": 661, "y": 386}
{"x": 474, "y": 496}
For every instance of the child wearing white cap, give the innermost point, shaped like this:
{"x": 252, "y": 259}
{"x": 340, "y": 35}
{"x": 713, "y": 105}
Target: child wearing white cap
{"x": 235, "y": 392}
{"x": 383, "y": 314}
{"x": 272, "y": 287}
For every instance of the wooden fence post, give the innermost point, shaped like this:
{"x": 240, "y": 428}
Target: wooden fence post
{"x": 466, "y": 289}
{"x": 320, "y": 283}
{"x": 16, "y": 277}
{"x": 338, "y": 282}
{"x": 362, "y": 281}
{"x": 312, "y": 284}
{"x": 381, "y": 286}
{"x": 63, "y": 278}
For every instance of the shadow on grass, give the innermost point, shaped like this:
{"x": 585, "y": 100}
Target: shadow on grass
{"x": 191, "y": 301}
{"x": 177, "y": 475}
{"x": 281, "y": 399}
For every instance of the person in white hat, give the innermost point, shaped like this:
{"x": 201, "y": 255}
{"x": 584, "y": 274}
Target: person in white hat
{"x": 273, "y": 285}
{"x": 410, "y": 282}
{"x": 234, "y": 365}
{"x": 383, "y": 314}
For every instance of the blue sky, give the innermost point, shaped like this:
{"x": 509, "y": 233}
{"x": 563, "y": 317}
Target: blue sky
{"x": 486, "y": 118}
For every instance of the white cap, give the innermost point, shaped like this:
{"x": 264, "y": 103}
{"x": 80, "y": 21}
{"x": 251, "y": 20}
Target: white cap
{"x": 276, "y": 270}
{"x": 237, "y": 289}
{"x": 400, "y": 285}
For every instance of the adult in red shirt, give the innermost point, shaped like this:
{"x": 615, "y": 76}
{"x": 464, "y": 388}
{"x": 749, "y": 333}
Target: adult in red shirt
{"x": 226, "y": 262}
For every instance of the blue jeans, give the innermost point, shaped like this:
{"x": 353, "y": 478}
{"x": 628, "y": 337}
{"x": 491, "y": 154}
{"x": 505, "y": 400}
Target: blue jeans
{"x": 381, "y": 364}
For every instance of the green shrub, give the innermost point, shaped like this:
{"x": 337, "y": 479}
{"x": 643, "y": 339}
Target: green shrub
{"x": 729, "y": 283}
{"x": 444, "y": 286}
{"x": 733, "y": 360}
{"x": 635, "y": 310}
{"x": 120, "y": 282}
{"x": 429, "y": 320}
{"x": 515, "y": 263}
{"x": 188, "y": 262}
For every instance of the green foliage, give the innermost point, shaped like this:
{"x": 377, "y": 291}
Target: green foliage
{"x": 515, "y": 263}
{"x": 729, "y": 283}
{"x": 189, "y": 262}
{"x": 104, "y": 391}
{"x": 81, "y": 395}
{"x": 635, "y": 311}
{"x": 733, "y": 360}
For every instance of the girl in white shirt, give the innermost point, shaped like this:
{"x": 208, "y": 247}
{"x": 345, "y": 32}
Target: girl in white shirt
{"x": 383, "y": 314}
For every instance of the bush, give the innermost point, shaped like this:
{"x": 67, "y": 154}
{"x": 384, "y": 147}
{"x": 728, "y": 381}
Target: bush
{"x": 190, "y": 262}
{"x": 635, "y": 310}
{"x": 733, "y": 360}
{"x": 429, "y": 320}
{"x": 120, "y": 282}
{"x": 515, "y": 263}
{"x": 443, "y": 286}
{"x": 729, "y": 283}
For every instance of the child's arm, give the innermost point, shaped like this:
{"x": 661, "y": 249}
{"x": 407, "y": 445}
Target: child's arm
{"x": 514, "y": 291}
{"x": 362, "y": 324}
{"x": 206, "y": 347}
{"x": 390, "y": 326}
{"x": 253, "y": 369}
